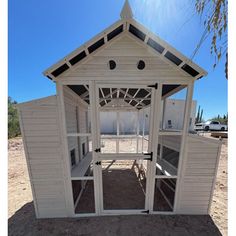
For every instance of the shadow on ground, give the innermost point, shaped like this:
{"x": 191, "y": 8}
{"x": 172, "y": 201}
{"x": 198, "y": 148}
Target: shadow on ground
{"x": 23, "y": 222}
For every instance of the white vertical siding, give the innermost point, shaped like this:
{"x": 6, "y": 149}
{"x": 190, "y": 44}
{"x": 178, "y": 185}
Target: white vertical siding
{"x": 198, "y": 176}
{"x": 40, "y": 129}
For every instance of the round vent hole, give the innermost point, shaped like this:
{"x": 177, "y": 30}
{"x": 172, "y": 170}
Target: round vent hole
{"x": 141, "y": 65}
{"x": 112, "y": 64}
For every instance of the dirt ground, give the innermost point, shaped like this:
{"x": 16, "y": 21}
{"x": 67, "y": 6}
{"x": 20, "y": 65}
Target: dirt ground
{"x": 22, "y": 218}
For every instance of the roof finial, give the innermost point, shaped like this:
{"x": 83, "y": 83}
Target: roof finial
{"x": 126, "y": 12}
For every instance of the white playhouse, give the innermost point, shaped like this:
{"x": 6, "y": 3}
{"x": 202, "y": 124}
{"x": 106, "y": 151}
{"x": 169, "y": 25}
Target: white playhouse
{"x": 146, "y": 166}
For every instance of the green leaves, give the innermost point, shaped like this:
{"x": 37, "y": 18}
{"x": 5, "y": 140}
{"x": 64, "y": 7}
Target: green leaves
{"x": 13, "y": 120}
{"x": 216, "y": 23}
{"x": 222, "y": 119}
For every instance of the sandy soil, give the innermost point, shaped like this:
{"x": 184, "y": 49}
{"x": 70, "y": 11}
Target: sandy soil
{"x": 22, "y": 218}
{"x": 219, "y": 207}
{"x": 19, "y": 190}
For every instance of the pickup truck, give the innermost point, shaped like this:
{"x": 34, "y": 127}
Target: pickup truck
{"x": 211, "y": 125}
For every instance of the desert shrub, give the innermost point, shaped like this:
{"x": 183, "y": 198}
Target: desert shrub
{"x": 13, "y": 119}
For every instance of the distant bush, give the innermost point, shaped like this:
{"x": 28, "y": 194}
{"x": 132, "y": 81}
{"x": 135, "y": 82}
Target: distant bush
{"x": 13, "y": 119}
{"x": 222, "y": 119}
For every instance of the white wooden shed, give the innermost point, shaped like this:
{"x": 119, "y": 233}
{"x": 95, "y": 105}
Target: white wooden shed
{"x": 76, "y": 170}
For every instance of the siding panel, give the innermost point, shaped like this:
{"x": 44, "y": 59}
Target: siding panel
{"x": 199, "y": 170}
{"x": 41, "y": 136}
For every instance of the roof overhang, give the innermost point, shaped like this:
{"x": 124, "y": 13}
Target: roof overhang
{"x": 126, "y": 24}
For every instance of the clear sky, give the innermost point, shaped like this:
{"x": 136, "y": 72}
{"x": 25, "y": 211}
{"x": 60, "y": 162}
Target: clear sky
{"x": 42, "y": 32}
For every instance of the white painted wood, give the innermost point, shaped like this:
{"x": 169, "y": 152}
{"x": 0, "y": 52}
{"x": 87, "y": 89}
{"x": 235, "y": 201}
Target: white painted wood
{"x": 52, "y": 127}
{"x": 191, "y": 197}
{"x": 118, "y": 80}
{"x": 208, "y": 140}
{"x": 137, "y": 146}
{"x": 44, "y": 155}
{"x": 126, "y": 22}
{"x": 170, "y": 132}
{"x": 50, "y": 100}
{"x": 117, "y": 131}
{"x": 97, "y": 66}
{"x": 121, "y": 212}
{"x": 78, "y": 134}
{"x": 121, "y": 156}
{"x": 182, "y": 157}
{"x": 215, "y": 177}
{"x": 27, "y": 162}
{"x": 45, "y": 212}
{"x": 75, "y": 115}
{"x": 96, "y": 144}
{"x": 165, "y": 177}
{"x": 155, "y": 118}
{"x": 66, "y": 161}
{"x": 198, "y": 175}
{"x": 126, "y": 12}
{"x": 172, "y": 142}
{"x": 107, "y": 136}
{"x": 80, "y": 169}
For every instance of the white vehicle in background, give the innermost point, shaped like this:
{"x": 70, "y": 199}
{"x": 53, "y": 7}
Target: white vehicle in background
{"x": 211, "y": 125}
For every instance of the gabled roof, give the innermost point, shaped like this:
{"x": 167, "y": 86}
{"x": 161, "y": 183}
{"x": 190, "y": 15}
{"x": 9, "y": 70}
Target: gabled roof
{"x": 126, "y": 24}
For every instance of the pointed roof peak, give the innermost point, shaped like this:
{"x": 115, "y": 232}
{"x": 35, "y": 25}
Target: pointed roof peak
{"x": 126, "y": 12}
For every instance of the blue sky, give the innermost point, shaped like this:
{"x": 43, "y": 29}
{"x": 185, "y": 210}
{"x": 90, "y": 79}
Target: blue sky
{"x": 42, "y": 32}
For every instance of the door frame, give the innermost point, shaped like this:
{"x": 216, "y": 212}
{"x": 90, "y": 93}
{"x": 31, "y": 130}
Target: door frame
{"x": 155, "y": 107}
